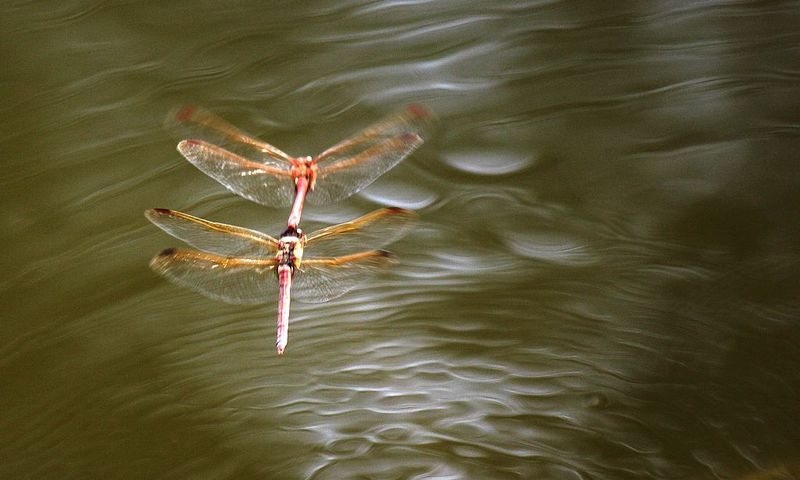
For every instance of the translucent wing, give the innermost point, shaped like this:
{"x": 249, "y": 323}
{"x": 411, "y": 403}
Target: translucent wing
{"x": 373, "y": 230}
{"x": 213, "y": 237}
{"x": 414, "y": 119}
{"x": 229, "y": 279}
{"x": 352, "y": 164}
{"x": 259, "y": 182}
{"x": 191, "y": 121}
{"x": 322, "y": 279}
{"x": 350, "y": 175}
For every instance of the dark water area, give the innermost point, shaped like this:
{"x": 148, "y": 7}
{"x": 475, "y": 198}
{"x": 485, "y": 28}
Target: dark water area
{"x": 604, "y": 282}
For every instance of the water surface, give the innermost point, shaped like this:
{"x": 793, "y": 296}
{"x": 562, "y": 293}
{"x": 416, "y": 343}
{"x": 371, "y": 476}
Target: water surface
{"x": 603, "y": 284}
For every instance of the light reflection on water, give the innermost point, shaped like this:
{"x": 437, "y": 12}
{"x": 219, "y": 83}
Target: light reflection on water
{"x": 603, "y": 282}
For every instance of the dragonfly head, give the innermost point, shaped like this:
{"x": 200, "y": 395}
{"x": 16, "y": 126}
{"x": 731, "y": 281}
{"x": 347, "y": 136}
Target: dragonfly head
{"x": 292, "y": 232}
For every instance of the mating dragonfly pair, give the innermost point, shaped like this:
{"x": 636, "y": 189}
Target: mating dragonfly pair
{"x": 239, "y": 265}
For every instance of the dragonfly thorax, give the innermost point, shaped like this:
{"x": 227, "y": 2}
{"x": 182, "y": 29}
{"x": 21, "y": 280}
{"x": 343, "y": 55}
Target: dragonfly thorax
{"x": 305, "y": 167}
{"x": 290, "y": 248}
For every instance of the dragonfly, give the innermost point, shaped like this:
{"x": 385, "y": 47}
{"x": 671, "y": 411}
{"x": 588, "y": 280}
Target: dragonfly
{"x": 264, "y": 174}
{"x": 239, "y": 265}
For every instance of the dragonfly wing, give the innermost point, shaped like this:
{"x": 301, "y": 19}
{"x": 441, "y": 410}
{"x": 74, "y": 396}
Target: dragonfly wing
{"x": 414, "y": 119}
{"x": 342, "y": 178}
{"x": 352, "y": 164}
{"x": 322, "y": 279}
{"x": 191, "y": 121}
{"x": 262, "y": 183}
{"x": 229, "y": 279}
{"x": 374, "y": 230}
{"x": 213, "y": 237}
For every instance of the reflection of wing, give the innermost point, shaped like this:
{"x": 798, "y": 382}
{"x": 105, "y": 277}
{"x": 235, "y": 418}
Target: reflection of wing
{"x": 190, "y": 121}
{"x": 373, "y": 230}
{"x": 213, "y": 237}
{"x": 322, "y": 279}
{"x": 267, "y": 184}
{"x": 352, "y": 164}
{"x": 230, "y": 279}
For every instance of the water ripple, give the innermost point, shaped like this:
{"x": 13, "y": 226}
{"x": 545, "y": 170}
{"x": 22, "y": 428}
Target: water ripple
{"x": 602, "y": 283}
{"x": 489, "y": 163}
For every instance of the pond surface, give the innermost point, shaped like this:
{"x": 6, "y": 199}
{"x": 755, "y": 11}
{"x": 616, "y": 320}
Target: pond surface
{"x": 604, "y": 282}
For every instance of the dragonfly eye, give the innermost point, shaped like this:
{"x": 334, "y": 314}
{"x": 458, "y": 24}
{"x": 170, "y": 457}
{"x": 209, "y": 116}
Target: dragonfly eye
{"x": 290, "y": 232}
